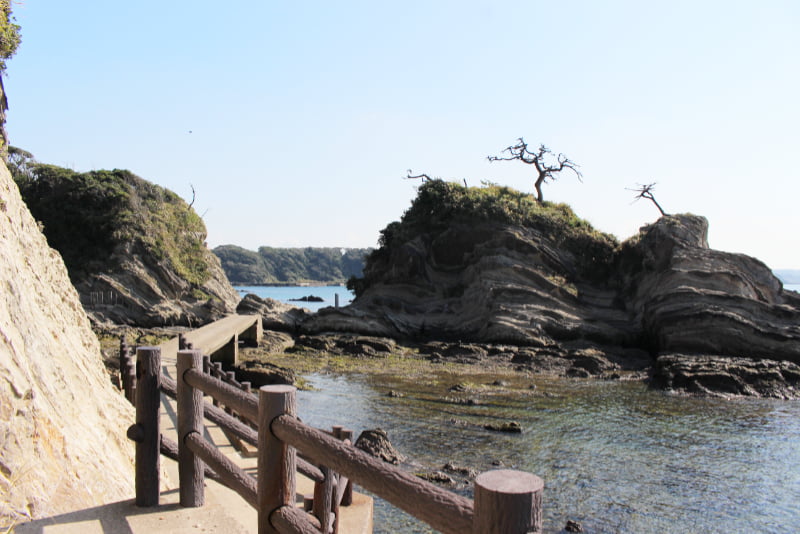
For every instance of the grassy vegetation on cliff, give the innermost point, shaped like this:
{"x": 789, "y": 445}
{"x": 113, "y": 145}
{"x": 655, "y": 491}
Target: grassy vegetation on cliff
{"x": 441, "y": 204}
{"x": 89, "y": 216}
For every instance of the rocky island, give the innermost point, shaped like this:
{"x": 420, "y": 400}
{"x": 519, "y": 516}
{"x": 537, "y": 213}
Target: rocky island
{"x": 532, "y": 283}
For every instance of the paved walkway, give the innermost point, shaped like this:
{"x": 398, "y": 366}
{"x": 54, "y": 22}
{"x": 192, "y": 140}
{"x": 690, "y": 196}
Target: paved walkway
{"x": 224, "y": 511}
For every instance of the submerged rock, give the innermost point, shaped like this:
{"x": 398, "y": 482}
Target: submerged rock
{"x": 511, "y": 427}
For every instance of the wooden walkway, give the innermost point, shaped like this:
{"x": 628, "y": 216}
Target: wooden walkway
{"x": 220, "y": 339}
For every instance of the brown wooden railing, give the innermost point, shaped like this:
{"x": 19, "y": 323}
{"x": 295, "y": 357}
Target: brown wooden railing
{"x": 506, "y": 501}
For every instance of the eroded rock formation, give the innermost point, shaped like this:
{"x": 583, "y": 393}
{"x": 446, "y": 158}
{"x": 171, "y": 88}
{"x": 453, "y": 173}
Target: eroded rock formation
{"x": 62, "y": 425}
{"x": 663, "y": 291}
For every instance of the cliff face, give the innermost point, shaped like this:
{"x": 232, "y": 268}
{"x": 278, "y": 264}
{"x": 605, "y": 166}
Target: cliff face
{"x": 541, "y": 285}
{"x": 135, "y": 251}
{"x": 62, "y": 425}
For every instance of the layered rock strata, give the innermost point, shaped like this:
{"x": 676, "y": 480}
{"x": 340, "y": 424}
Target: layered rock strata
{"x": 665, "y": 291}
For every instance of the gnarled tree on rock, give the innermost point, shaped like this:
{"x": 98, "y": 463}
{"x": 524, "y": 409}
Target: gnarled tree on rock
{"x": 646, "y": 191}
{"x": 546, "y": 170}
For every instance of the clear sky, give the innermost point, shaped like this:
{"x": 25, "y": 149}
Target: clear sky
{"x": 296, "y": 121}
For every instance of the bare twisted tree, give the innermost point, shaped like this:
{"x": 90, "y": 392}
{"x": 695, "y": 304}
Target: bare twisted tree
{"x": 545, "y": 171}
{"x": 646, "y": 191}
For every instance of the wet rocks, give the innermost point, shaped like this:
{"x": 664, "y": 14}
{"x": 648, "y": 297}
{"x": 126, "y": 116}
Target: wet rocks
{"x": 573, "y": 526}
{"x": 437, "y": 477}
{"x": 726, "y": 377}
{"x": 275, "y": 315}
{"x": 264, "y": 374}
{"x": 376, "y": 442}
{"x": 350, "y": 345}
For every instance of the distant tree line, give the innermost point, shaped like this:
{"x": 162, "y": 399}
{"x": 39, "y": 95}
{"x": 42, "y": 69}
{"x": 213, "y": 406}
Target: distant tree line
{"x": 271, "y": 265}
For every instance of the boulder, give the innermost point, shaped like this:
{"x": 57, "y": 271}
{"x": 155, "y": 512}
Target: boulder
{"x": 376, "y": 442}
{"x": 264, "y": 374}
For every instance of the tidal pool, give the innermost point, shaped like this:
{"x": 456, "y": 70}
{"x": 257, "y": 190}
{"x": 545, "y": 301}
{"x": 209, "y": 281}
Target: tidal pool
{"x": 614, "y": 456}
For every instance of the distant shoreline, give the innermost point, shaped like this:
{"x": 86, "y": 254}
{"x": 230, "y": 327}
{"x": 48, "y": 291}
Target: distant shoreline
{"x": 293, "y": 284}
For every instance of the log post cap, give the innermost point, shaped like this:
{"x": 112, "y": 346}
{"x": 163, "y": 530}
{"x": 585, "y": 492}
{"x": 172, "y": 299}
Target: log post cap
{"x": 278, "y": 389}
{"x": 509, "y": 482}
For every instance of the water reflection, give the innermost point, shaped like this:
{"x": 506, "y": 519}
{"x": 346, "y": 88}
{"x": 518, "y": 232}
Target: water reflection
{"x": 614, "y": 456}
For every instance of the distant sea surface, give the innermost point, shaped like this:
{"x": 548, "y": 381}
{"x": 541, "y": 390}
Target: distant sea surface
{"x": 287, "y": 293}
{"x": 793, "y": 287}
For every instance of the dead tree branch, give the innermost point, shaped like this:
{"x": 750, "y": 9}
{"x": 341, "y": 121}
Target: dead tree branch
{"x": 544, "y": 171}
{"x": 646, "y": 191}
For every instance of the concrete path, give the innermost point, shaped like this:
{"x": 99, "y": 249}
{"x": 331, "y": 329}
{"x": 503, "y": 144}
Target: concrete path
{"x": 224, "y": 511}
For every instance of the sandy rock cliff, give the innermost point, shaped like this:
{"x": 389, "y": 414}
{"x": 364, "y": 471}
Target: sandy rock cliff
{"x": 62, "y": 425}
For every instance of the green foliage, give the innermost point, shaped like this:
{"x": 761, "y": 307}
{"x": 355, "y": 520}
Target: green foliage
{"x": 289, "y": 265}
{"x": 440, "y": 204}
{"x": 89, "y": 217}
{"x": 9, "y": 34}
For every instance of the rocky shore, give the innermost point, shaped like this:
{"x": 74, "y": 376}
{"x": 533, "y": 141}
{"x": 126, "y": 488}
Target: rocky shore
{"x": 662, "y": 304}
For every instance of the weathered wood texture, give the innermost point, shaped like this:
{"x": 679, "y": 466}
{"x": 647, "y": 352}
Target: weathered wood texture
{"x": 228, "y": 395}
{"x": 239, "y": 429}
{"x": 323, "y": 499}
{"x": 190, "y": 420}
{"x": 443, "y": 510}
{"x": 508, "y": 502}
{"x": 169, "y": 449}
{"x": 231, "y": 474}
{"x": 148, "y": 403}
{"x": 288, "y": 519}
{"x": 276, "y": 458}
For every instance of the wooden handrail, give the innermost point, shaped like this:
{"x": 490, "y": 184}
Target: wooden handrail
{"x": 235, "y": 398}
{"x": 507, "y": 501}
{"x": 231, "y": 474}
{"x": 443, "y": 510}
{"x": 238, "y": 429}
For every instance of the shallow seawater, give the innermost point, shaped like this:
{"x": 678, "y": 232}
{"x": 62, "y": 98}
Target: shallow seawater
{"x": 613, "y": 455}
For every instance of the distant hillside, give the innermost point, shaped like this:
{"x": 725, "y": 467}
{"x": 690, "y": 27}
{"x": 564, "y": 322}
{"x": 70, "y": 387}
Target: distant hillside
{"x": 788, "y": 276}
{"x": 290, "y": 265}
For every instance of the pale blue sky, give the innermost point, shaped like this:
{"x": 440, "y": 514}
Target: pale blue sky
{"x": 305, "y": 116}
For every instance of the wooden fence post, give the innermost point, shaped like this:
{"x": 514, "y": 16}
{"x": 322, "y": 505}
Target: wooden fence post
{"x": 190, "y": 420}
{"x": 347, "y": 498}
{"x": 148, "y": 447}
{"x": 276, "y": 459}
{"x": 508, "y": 502}
{"x": 123, "y": 370}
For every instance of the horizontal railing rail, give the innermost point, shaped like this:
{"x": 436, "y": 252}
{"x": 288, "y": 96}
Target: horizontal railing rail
{"x": 505, "y": 501}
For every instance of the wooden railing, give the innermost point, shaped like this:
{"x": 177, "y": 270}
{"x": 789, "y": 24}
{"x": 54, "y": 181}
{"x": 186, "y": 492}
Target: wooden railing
{"x": 506, "y": 501}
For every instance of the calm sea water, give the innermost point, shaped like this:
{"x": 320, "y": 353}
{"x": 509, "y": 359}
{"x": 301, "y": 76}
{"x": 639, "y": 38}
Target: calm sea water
{"x": 286, "y": 293}
{"x": 614, "y": 455}
{"x": 793, "y": 287}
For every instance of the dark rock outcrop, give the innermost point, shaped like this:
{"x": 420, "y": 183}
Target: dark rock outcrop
{"x": 264, "y": 374}
{"x": 724, "y": 376}
{"x": 376, "y": 442}
{"x": 275, "y": 315}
